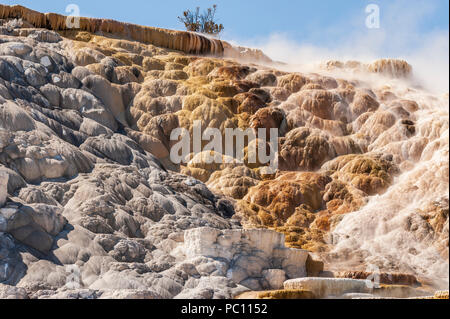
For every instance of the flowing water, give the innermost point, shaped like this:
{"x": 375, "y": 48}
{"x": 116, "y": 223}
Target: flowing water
{"x": 390, "y": 233}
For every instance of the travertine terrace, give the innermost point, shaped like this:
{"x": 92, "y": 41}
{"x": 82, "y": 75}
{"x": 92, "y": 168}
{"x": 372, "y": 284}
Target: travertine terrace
{"x": 91, "y": 205}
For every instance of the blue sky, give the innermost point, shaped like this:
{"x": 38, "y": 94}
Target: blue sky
{"x": 320, "y": 22}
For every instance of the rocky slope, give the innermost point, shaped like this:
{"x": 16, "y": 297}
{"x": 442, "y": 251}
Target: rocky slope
{"x": 92, "y": 207}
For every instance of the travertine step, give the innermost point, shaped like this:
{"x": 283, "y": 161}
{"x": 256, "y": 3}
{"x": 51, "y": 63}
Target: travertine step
{"x": 3, "y": 188}
{"x": 256, "y": 258}
{"x": 382, "y": 278}
{"x": 277, "y": 294}
{"x": 327, "y": 287}
{"x": 399, "y": 291}
{"x": 353, "y": 288}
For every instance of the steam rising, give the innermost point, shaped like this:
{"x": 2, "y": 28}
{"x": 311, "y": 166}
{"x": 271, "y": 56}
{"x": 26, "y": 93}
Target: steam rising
{"x": 390, "y": 232}
{"x": 399, "y": 38}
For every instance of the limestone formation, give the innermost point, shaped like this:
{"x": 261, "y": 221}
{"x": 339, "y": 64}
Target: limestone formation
{"x": 387, "y": 67}
{"x": 93, "y": 207}
{"x": 256, "y": 259}
{"x": 278, "y": 294}
{"x": 3, "y": 188}
{"x": 10, "y": 292}
{"x": 329, "y": 287}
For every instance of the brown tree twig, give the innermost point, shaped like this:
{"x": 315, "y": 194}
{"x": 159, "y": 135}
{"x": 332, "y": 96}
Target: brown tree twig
{"x": 203, "y": 23}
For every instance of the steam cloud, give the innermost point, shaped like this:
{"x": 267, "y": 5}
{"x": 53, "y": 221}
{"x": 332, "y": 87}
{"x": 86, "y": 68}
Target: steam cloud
{"x": 399, "y": 37}
{"x": 379, "y": 232}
